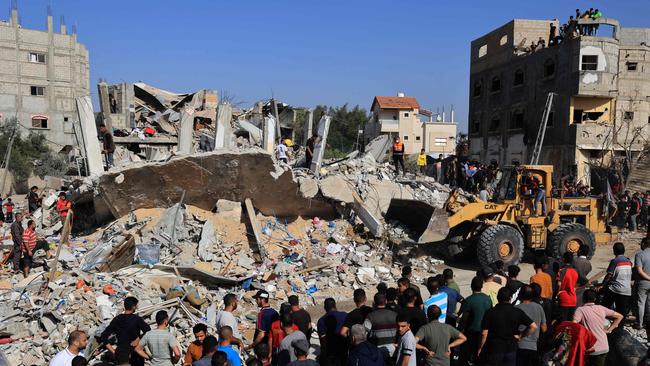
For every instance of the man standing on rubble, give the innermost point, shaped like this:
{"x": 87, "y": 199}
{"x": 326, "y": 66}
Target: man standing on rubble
{"x": 17, "y": 237}
{"x": 32, "y": 243}
{"x": 108, "y": 144}
{"x": 398, "y": 156}
{"x": 309, "y": 149}
{"x": 63, "y": 205}
{"x": 77, "y": 340}
{"x": 127, "y": 328}
{"x": 265, "y": 317}
{"x": 32, "y": 199}
{"x": 281, "y": 152}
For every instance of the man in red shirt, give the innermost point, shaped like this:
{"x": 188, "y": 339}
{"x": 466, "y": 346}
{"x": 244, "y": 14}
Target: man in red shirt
{"x": 567, "y": 278}
{"x": 63, "y": 205}
{"x": 30, "y": 244}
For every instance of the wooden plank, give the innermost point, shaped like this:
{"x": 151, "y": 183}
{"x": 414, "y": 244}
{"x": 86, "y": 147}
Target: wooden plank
{"x": 65, "y": 236}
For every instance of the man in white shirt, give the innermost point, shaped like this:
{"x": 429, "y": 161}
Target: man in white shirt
{"x": 281, "y": 152}
{"x": 77, "y": 340}
{"x": 226, "y": 318}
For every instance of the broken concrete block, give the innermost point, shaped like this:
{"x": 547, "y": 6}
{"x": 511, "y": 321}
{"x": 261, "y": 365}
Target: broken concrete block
{"x": 308, "y": 187}
{"x": 208, "y": 241}
{"x": 229, "y": 209}
{"x": 336, "y": 188}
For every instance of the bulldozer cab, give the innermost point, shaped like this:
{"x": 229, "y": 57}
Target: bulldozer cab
{"x": 518, "y": 181}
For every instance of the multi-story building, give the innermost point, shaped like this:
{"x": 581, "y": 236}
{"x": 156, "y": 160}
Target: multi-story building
{"x": 601, "y": 81}
{"x": 399, "y": 116}
{"x": 41, "y": 74}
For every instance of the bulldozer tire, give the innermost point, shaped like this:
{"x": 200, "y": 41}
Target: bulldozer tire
{"x": 569, "y": 237}
{"x": 500, "y": 242}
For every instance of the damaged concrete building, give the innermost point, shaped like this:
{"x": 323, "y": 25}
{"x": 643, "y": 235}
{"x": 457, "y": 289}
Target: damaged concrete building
{"x": 600, "y": 106}
{"x": 41, "y": 74}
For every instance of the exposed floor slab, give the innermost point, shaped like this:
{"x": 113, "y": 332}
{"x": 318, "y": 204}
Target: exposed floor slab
{"x": 207, "y": 178}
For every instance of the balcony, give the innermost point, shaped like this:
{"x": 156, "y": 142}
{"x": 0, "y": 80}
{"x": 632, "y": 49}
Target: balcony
{"x": 389, "y": 125}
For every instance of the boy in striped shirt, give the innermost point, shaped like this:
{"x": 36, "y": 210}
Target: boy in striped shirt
{"x": 30, "y": 244}
{"x": 438, "y": 298}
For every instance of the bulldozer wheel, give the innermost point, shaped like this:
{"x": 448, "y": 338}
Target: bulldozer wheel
{"x": 500, "y": 242}
{"x": 568, "y": 238}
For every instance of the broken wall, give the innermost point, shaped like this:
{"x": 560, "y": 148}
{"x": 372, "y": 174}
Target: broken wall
{"x": 206, "y": 178}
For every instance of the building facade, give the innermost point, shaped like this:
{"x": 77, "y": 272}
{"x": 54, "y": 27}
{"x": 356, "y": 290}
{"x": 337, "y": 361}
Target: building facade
{"x": 41, "y": 74}
{"x": 601, "y": 86}
{"x": 399, "y": 116}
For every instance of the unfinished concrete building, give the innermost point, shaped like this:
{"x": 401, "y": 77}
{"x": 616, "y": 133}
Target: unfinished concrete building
{"x": 41, "y": 74}
{"x": 601, "y": 84}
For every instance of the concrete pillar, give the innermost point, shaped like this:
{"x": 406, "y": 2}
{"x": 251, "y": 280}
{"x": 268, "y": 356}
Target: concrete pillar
{"x": 186, "y": 133}
{"x": 309, "y": 122}
{"x": 91, "y": 148}
{"x": 105, "y": 105}
{"x": 223, "y": 131}
{"x": 277, "y": 118}
{"x": 50, "y": 24}
{"x": 64, "y": 29}
{"x": 14, "y": 17}
{"x": 319, "y": 148}
{"x": 268, "y": 142}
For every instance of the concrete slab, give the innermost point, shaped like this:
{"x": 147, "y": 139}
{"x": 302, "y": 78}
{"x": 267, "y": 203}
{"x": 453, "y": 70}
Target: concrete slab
{"x": 207, "y": 178}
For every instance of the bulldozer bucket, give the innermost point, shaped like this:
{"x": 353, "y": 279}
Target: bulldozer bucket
{"x": 428, "y": 223}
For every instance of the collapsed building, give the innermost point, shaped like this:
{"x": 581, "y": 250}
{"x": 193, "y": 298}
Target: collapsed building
{"x": 600, "y": 83}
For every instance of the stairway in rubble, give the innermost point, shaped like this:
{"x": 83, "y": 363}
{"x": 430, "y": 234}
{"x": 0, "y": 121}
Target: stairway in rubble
{"x": 639, "y": 179}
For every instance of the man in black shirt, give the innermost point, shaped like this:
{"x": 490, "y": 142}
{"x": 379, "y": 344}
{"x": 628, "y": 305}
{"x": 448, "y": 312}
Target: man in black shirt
{"x": 32, "y": 199}
{"x": 358, "y": 315}
{"x": 414, "y": 313}
{"x": 513, "y": 283}
{"x": 309, "y": 149}
{"x": 17, "y": 237}
{"x": 300, "y": 316}
{"x": 500, "y": 331}
{"x": 127, "y": 328}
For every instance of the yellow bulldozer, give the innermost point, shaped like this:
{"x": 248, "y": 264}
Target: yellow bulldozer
{"x": 505, "y": 227}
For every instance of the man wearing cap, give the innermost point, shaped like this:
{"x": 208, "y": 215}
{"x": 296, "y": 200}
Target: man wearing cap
{"x": 301, "y": 350}
{"x": 490, "y": 287}
{"x": 265, "y": 317}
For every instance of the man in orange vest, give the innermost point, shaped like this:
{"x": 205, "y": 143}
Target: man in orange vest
{"x": 398, "y": 155}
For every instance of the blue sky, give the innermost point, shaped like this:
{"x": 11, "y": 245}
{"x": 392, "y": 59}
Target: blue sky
{"x": 304, "y": 52}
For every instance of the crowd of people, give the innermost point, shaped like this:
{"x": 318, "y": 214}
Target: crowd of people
{"x": 568, "y": 30}
{"x": 559, "y": 316}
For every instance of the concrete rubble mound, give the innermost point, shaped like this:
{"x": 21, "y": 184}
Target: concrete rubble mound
{"x": 190, "y": 230}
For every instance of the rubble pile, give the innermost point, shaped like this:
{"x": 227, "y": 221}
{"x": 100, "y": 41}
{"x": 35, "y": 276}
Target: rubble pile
{"x": 185, "y": 259}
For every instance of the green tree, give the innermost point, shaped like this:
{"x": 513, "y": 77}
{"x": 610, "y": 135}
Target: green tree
{"x": 26, "y": 150}
{"x": 344, "y": 126}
